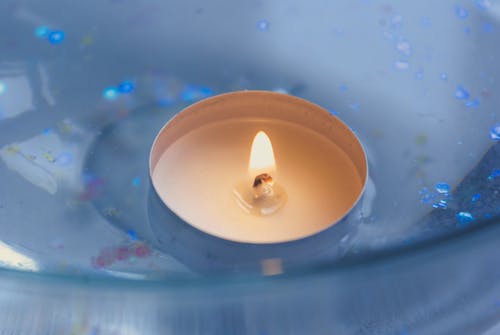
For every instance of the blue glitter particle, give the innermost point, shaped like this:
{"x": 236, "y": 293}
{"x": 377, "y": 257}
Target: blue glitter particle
{"x": 461, "y": 93}
{"x": 3, "y": 88}
{"x": 401, "y": 65}
{"x": 404, "y": 47}
{"x": 487, "y": 27}
{"x": 263, "y": 25}
{"x": 192, "y": 92}
{"x": 461, "y": 12}
{"x": 42, "y": 32}
{"x": 443, "y": 76}
{"x": 427, "y": 197}
{"x": 442, "y": 188}
{"x": 476, "y": 197}
{"x": 425, "y": 21}
{"x": 165, "y": 102}
{"x": 110, "y": 93}
{"x": 132, "y": 235}
{"x": 56, "y": 37}
{"x": 136, "y": 181}
{"x": 487, "y": 216}
{"x": 396, "y": 22}
{"x": 472, "y": 103}
{"x": 126, "y": 86}
{"x": 464, "y": 218}
{"x": 495, "y": 132}
{"x": 442, "y": 204}
{"x": 419, "y": 75}
{"x": 424, "y": 190}
{"x": 343, "y": 88}
{"x": 495, "y": 173}
{"x": 354, "y": 106}
{"x": 47, "y": 131}
{"x": 467, "y": 30}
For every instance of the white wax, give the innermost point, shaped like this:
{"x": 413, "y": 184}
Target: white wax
{"x": 196, "y": 174}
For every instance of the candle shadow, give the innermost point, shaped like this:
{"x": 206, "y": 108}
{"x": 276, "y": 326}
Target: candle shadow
{"x": 204, "y": 253}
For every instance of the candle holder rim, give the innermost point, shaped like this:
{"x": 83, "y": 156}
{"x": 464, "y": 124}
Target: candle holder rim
{"x": 318, "y": 109}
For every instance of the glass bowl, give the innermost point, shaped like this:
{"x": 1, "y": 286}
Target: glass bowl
{"x": 87, "y": 247}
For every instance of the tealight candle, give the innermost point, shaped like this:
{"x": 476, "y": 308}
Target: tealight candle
{"x": 258, "y": 167}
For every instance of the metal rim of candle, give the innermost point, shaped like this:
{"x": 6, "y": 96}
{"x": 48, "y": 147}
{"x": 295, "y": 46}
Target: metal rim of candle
{"x": 348, "y": 142}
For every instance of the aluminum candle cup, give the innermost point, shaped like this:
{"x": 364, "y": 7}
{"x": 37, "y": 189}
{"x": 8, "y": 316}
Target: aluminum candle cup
{"x": 205, "y": 167}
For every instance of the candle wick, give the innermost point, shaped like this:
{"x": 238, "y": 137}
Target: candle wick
{"x": 263, "y": 186}
{"x": 265, "y": 197}
{"x": 262, "y": 178}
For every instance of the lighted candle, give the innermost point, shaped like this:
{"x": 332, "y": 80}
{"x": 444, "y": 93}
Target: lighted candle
{"x": 201, "y": 157}
{"x": 261, "y": 155}
{"x": 262, "y": 196}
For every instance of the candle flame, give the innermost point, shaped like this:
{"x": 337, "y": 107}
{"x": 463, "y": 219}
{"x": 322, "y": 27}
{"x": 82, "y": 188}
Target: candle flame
{"x": 261, "y": 155}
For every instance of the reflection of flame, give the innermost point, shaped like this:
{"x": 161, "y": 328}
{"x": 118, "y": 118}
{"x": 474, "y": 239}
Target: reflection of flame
{"x": 261, "y": 156}
{"x": 13, "y": 259}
